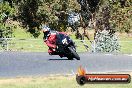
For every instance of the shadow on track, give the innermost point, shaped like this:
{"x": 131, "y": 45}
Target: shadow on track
{"x": 57, "y": 59}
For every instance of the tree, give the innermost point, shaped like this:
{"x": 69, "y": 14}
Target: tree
{"x": 121, "y": 16}
{"x": 6, "y": 30}
{"x": 5, "y": 12}
{"x": 29, "y": 17}
{"x": 105, "y": 38}
{"x": 33, "y": 12}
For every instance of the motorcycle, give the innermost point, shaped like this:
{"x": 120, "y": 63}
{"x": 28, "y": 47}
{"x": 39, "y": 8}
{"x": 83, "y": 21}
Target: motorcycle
{"x": 66, "y": 47}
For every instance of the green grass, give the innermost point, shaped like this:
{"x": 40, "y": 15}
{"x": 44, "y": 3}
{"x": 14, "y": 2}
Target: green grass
{"x": 28, "y": 45}
{"x": 126, "y": 47}
{"x": 125, "y": 43}
{"x": 53, "y": 82}
{"x": 21, "y": 33}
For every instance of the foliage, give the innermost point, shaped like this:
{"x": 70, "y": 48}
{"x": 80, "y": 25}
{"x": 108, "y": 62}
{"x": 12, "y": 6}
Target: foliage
{"x": 105, "y": 38}
{"x": 6, "y": 30}
{"x": 105, "y": 42}
{"x": 31, "y": 13}
{"x": 5, "y": 12}
{"x": 121, "y": 15}
{"x": 113, "y": 16}
{"x": 28, "y": 16}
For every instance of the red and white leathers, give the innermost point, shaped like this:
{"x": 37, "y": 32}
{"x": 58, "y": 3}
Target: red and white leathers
{"x": 51, "y": 41}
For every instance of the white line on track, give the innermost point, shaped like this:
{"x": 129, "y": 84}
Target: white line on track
{"x": 108, "y": 54}
{"x": 129, "y": 55}
{"x": 119, "y": 54}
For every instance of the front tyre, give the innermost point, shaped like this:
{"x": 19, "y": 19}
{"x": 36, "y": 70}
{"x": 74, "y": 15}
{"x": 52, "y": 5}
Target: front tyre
{"x": 74, "y": 53}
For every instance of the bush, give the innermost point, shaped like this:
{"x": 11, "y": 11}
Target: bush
{"x": 5, "y": 13}
{"x": 105, "y": 42}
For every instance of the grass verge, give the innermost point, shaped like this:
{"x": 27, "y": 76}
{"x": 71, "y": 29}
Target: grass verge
{"x": 53, "y": 82}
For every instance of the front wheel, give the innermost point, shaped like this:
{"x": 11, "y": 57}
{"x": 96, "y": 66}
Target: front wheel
{"x": 74, "y": 53}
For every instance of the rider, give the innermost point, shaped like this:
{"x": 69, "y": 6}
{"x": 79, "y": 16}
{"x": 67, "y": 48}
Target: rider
{"x": 50, "y": 38}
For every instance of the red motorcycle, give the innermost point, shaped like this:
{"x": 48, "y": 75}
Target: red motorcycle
{"x": 66, "y": 47}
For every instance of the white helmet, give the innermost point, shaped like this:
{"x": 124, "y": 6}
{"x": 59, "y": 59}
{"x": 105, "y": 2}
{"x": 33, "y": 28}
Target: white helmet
{"x": 45, "y": 28}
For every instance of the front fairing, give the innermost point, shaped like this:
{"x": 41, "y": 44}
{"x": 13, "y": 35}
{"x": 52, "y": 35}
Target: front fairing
{"x": 63, "y": 40}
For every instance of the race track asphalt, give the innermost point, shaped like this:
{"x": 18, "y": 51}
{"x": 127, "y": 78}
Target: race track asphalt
{"x": 13, "y": 64}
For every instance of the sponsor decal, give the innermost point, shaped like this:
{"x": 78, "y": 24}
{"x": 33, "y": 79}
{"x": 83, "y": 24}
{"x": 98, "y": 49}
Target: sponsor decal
{"x": 82, "y": 77}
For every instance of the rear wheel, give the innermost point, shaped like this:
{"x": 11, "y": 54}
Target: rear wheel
{"x": 74, "y": 53}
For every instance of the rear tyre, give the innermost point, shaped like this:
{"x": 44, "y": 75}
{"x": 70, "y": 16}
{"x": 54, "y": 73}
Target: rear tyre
{"x": 74, "y": 53}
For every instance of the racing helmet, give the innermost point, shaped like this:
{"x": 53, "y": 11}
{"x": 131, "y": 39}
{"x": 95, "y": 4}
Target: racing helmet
{"x": 46, "y": 30}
